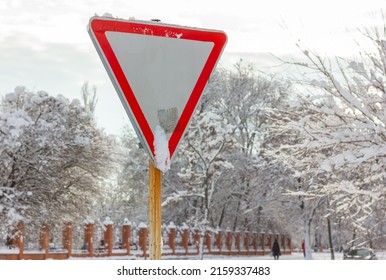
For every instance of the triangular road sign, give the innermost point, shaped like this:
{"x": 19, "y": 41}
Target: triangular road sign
{"x": 159, "y": 72}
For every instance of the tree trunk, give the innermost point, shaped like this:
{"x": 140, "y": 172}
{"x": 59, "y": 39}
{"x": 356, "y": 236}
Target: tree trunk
{"x": 203, "y": 233}
{"x": 236, "y": 216}
{"x": 307, "y": 237}
{"x": 330, "y": 239}
{"x": 204, "y": 222}
{"x": 222, "y": 214}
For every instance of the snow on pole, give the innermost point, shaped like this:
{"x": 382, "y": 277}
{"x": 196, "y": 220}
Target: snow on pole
{"x": 161, "y": 149}
{"x": 126, "y": 222}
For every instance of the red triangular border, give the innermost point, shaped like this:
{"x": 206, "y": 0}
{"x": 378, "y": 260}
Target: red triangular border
{"x": 98, "y": 28}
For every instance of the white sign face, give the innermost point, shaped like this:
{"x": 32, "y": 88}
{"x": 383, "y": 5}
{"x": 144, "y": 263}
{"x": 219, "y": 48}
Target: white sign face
{"x": 159, "y": 72}
{"x": 156, "y": 69}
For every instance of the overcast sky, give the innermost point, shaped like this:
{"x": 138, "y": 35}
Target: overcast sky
{"x": 44, "y": 44}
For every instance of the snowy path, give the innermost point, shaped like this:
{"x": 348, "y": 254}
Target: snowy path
{"x": 293, "y": 256}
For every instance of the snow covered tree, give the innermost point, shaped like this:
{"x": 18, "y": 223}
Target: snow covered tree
{"x": 89, "y": 99}
{"x": 131, "y": 193}
{"x": 205, "y": 151}
{"x": 241, "y": 99}
{"x": 333, "y": 135}
{"x": 53, "y": 158}
{"x": 286, "y": 145}
{"x": 238, "y": 190}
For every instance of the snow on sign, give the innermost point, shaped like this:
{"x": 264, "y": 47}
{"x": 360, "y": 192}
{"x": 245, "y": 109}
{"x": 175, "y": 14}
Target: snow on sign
{"x": 159, "y": 72}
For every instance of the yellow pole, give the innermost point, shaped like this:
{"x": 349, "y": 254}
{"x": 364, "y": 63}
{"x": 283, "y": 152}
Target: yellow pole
{"x": 155, "y": 188}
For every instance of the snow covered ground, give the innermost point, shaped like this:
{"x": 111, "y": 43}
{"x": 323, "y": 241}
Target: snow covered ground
{"x": 293, "y": 256}
{"x": 381, "y": 255}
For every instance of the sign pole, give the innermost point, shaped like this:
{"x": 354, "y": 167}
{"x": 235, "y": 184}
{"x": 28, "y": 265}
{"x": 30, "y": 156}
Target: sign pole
{"x": 155, "y": 191}
{"x": 159, "y": 72}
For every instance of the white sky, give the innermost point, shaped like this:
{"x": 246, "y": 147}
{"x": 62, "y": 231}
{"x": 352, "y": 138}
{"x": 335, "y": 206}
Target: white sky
{"x": 44, "y": 44}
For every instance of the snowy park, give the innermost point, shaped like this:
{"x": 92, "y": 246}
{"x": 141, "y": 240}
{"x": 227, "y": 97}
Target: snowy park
{"x": 293, "y": 154}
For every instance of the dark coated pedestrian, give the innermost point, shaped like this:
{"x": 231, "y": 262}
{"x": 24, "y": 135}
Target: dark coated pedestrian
{"x": 276, "y": 250}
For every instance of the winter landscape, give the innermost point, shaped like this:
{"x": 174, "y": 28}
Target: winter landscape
{"x": 296, "y": 152}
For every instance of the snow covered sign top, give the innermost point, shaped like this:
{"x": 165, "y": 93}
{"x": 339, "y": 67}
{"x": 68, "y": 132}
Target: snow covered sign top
{"x": 159, "y": 72}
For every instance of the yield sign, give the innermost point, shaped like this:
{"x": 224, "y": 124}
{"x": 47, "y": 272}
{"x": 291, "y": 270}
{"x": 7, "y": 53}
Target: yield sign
{"x": 159, "y": 72}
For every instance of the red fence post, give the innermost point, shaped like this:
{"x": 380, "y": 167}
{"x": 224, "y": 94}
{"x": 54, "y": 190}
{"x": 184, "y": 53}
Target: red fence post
{"x": 237, "y": 241}
{"x": 143, "y": 238}
{"x": 255, "y": 244}
{"x": 44, "y": 239}
{"x": 185, "y": 238}
{"x": 270, "y": 239}
{"x": 246, "y": 241}
{"x": 208, "y": 241}
{"x": 263, "y": 242}
{"x": 19, "y": 238}
{"x": 228, "y": 240}
{"x": 197, "y": 237}
{"x": 219, "y": 239}
{"x": 89, "y": 237}
{"x": 108, "y": 236}
{"x": 283, "y": 244}
{"x": 171, "y": 237}
{"x": 67, "y": 238}
{"x": 126, "y": 233}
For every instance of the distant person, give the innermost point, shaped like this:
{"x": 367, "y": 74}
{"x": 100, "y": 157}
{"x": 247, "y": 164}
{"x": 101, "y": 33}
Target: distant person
{"x": 304, "y": 248}
{"x": 276, "y": 249}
